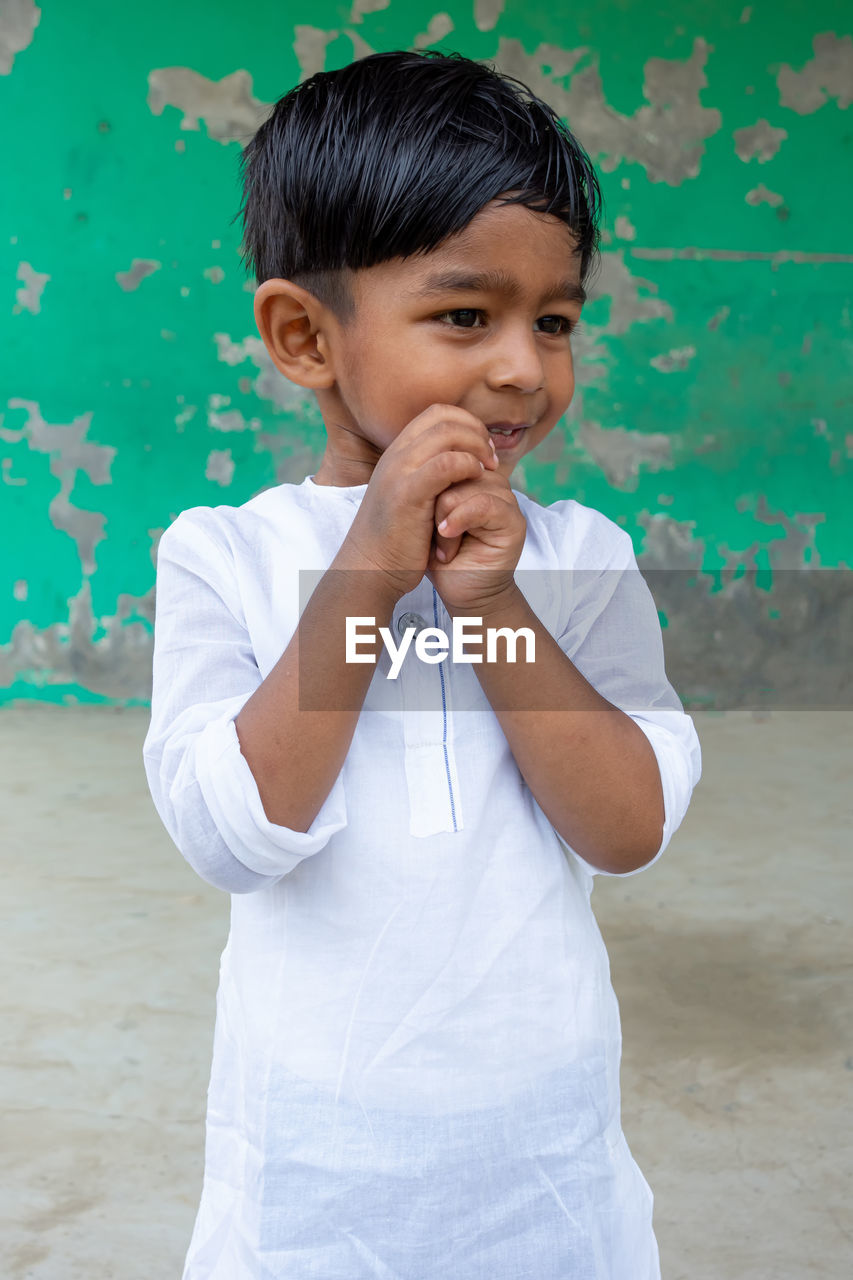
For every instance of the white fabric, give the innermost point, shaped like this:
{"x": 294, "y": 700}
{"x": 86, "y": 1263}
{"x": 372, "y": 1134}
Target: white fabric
{"x": 416, "y": 1052}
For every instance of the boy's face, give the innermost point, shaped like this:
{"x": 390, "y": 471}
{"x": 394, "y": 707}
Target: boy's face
{"x": 502, "y": 350}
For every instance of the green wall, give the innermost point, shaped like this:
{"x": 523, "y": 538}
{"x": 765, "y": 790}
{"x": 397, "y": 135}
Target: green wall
{"x": 713, "y": 416}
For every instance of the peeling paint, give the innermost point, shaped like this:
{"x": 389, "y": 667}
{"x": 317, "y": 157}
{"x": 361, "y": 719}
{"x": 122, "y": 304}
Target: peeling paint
{"x": 761, "y": 195}
{"x": 232, "y": 420}
{"x": 69, "y": 453}
{"x": 784, "y": 553}
{"x": 309, "y": 45}
{"x": 711, "y": 415}
{"x": 829, "y": 74}
{"x": 673, "y": 361}
{"x": 719, "y": 317}
{"x": 760, "y": 140}
{"x": 219, "y": 467}
{"x": 230, "y": 111}
{"x": 186, "y": 415}
{"x": 139, "y": 269}
{"x": 270, "y": 385}
{"x": 440, "y": 25}
{"x": 666, "y": 137}
{"x": 361, "y": 7}
{"x": 487, "y": 13}
{"x": 18, "y": 22}
{"x": 739, "y": 643}
{"x": 251, "y": 348}
{"x": 360, "y": 47}
{"x": 620, "y": 452}
{"x": 65, "y": 442}
{"x": 670, "y": 544}
{"x": 774, "y": 257}
{"x": 115, "y": 666}
{"x": 627, "y": 305}
{"x": 799, "y": 547}
{"x": 29, "y": 297}
{"x": 7, "y": 467}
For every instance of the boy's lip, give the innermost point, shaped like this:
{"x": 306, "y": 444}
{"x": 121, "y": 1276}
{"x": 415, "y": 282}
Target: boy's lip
{"x": 507, "y": 442}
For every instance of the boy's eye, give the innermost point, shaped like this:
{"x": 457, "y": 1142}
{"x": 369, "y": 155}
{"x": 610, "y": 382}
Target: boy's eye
{"x": 466, "y": 312}
{"x": 564, "y": 325}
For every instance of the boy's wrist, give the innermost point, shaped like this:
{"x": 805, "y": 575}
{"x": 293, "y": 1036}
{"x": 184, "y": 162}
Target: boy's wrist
{"x": 495, "y": 604}
{"x": 373, "y": 583}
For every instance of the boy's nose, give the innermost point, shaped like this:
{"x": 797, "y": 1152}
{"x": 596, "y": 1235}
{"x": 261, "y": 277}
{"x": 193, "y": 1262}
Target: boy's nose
{"x": 517, "y": 363}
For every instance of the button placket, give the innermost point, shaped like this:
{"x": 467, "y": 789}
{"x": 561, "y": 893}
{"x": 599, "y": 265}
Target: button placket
{"x": 410, "y": 619}
{"x": 433, "y": 782}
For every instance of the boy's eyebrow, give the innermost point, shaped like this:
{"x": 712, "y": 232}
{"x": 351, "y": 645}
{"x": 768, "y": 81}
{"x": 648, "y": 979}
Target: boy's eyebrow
{"x": 492, "y": 282}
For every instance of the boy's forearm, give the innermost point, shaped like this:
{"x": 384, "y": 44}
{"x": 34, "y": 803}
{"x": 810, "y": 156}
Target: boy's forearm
{"x": 296, "y": 753}
{"x": 591, "y": 769}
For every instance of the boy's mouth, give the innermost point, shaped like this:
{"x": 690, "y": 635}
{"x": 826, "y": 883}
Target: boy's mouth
{"x": 505, "y": 435}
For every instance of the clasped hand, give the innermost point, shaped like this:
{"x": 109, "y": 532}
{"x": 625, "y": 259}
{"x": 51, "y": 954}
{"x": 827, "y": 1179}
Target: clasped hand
{"x": 482, "y": 539}
{"x": 442, "y": 467}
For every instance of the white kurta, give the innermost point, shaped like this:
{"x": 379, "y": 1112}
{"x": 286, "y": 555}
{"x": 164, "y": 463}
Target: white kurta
{"x": 416, "y": 1053}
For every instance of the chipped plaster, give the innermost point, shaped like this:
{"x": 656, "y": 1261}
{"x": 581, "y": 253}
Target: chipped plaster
{"x": 220, "y": 467}
{"x": 686, "y": 364}
{"x": 362, "y": 7}
{"x": 139, "y": 269}
{"x": 309, "y": 45}
{"x": 666, "y": 137}
{"x": 829, "y": 74}
{"x": 69, "y": 454}
{"x": 487, "y": 13}
{"x": 620, "y": 452}
{"x": 18, "y": 21}
{"x": 628, "y": 306}
{"x": 230, "y": 111}
{"x": 440, "y": 26}
{"x": 760, "y": 140}
{"x": 28, "y": 298}
{"x": 761, "y": 195}
{"x": 675, "y": 360}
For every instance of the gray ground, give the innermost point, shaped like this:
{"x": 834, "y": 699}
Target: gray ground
{"x": 731, "y": 959}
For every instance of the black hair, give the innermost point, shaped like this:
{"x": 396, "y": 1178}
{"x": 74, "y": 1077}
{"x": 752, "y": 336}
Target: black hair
{"x": 389, "y": 155}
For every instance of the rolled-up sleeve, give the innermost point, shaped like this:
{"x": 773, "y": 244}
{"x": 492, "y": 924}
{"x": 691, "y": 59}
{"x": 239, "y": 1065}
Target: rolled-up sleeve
{"x": 204, "y": 671}
{"x": 614, "y": 638}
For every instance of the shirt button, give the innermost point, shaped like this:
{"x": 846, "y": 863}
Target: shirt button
{"x": 407, "y": 620}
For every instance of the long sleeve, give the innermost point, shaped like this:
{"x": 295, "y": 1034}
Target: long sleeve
{"x": 614, "y": 638}
{"x": 204, "y": 671}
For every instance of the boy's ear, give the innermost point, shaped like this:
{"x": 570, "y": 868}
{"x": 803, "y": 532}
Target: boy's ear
{"x": 293, "y": 325}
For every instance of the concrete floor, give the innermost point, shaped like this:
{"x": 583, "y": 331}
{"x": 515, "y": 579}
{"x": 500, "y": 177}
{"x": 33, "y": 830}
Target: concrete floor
{"x": 731, "y": 959}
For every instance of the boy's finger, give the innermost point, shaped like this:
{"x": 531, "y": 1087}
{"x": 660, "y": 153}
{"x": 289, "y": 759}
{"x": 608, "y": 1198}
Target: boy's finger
{"x": 446, "y": 548}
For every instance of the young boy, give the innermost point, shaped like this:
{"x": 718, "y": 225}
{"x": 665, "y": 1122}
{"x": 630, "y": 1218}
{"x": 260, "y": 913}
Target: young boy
{"x": 416, "y": 1053}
